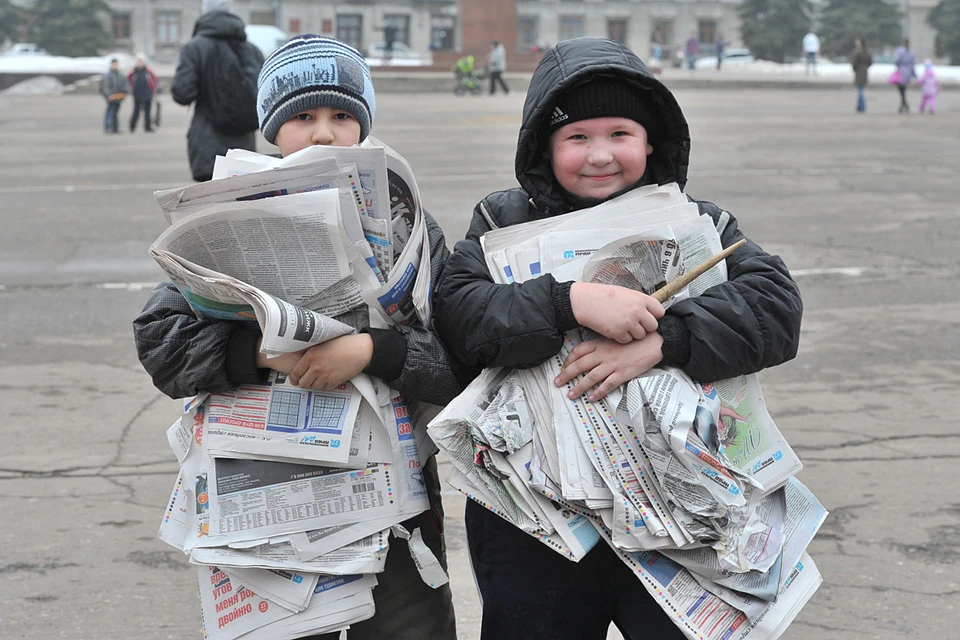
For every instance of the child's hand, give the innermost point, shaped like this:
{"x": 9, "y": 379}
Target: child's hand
{"x": 283, "y": 363}
{"x": 609, "y": 363}
{"x": 328, "y": 365}
{"x": 615, "y": 312}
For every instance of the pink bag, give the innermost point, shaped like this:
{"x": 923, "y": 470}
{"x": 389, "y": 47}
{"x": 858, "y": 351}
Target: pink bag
{"x": 896, "y": 77}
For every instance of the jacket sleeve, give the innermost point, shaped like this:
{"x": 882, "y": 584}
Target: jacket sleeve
{"x": 413, "y": 360}
{"x": 744, "y": 325}
{"x": 185, "y": 355}
{"x": 185, "y": 87}
{"x": 492, "y": 325}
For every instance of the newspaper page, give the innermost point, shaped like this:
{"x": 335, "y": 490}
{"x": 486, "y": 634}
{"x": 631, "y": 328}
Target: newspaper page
{"x": 230, "y": 610}
{"x": 285, "y": 327}
{"x": 283, "y": 421}
{"x": 367, "y": 555}
{"x": 290, "y": 589}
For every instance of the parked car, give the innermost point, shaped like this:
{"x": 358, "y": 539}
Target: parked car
{"x": 402, "y": 55}
{"x": 730, "y": 57}
{"x": 26, "y": 49}
{"x": 266, "y": 37}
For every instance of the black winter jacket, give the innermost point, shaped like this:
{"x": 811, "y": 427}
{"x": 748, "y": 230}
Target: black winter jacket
{"x": 741, "y": 326}
{"x": 212, "y": 37}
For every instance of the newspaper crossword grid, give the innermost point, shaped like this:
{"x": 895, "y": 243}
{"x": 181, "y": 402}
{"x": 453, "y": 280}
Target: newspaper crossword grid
{"x": 326, "y": 413}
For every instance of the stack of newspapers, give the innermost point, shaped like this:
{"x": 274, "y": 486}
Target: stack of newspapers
{"x": 287, "y": 497}
{"x": 690, "y": 483}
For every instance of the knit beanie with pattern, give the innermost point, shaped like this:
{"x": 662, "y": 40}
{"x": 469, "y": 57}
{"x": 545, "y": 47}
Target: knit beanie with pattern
{"x": 311, "y": 71}
{"x": 602, "y": 98}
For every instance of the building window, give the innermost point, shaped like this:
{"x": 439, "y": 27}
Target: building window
{"x": 263, "y": 17}
{"x": 571, "y": 27}
{"x": 401, "y": 24}
{"x": 294, "y": 25}
{"x": 326, "y": 25}
{"x": 442, "y": 30}
{"x": 168, "y": 27}
{"x": 120, "y": 26}
{"x": 350, "y": 30}
{"x": 707, "y": 31}
{"x": 617, "y": 30}
{"x": 526, "y": 34}
{"x": 663, "y": 32}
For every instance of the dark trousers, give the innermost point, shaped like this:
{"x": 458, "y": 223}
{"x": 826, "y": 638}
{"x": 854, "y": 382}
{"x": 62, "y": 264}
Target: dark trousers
{"x": 110, "y": 124}
{"x": 495, "y": 77}
{"x": 406, "y": 608}
{"x": 904, "y": 107}
{"x": 530, "y": 592}
{"x": 137, "y": 106}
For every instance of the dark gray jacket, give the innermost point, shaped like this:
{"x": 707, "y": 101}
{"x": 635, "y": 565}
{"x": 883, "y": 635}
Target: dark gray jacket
{"x": 212, "y": 37}
{"x": 744, "y": 325}
{"x": 185, "y": 354}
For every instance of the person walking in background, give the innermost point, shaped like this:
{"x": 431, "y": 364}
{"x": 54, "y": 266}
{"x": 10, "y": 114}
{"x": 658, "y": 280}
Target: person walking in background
{"x": 719, "y": 50}
{"x": 496, "y": 65}
{"x": 217, "y": 73}
{"x": 860, "y": 60}
{"x": 143, "y": 83}
{"x": 811, "y": 47}
{"x": 691, "y": 50}
{"x": 113, "y": 87}
{"x": 930, "y": 85}
{"x": 905, "y": 60}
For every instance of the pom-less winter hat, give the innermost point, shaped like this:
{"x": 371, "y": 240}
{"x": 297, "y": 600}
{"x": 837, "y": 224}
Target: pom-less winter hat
{"x": 602, "y": 98}
{"x": 311, "y": 71}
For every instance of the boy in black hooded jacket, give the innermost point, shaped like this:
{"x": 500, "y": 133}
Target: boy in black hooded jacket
{"x": 597, "y": 124}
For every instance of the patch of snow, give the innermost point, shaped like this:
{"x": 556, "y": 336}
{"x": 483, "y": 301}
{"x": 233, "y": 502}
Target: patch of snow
{"x": 62, "y": 64}
{"x": 38, "y": 85}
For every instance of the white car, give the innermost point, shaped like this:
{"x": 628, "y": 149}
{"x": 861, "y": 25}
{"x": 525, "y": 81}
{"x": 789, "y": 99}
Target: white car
{"x": 26, "y": 49}
{"x": 730, "y": 56}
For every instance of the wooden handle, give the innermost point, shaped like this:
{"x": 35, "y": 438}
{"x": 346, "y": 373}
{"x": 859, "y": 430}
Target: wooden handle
{"x": 672, "y": 288}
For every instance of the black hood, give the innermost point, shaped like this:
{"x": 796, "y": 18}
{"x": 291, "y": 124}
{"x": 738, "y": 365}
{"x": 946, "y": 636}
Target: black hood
{"x": 221, "y": 25}
{"x": 575, "y": 62}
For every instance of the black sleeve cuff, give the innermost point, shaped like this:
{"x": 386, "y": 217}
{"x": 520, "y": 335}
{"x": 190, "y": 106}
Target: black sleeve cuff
{"x": 241, "y": 360}
{"x": 676, "y": 340}
{"x": 389, "y": 354}
{"x": 562, "y": 307}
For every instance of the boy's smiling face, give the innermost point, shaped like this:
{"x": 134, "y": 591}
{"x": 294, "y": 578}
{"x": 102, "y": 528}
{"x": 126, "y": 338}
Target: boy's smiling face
{"x": 598, "y": 157}
{"x": 318, "y": 126}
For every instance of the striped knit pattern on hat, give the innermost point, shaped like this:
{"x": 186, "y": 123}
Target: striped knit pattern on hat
{"x": 311, "y": 71}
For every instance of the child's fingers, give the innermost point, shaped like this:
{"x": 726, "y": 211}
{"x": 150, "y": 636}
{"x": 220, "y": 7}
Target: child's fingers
{"x": 581, "y": 350}
{"x": 575, "y": 368}
{"x": 596, "y": 375}
{"x": 612, "y": 382}
{"x": 649, "y": 323}
{"x": 638, "y": 332}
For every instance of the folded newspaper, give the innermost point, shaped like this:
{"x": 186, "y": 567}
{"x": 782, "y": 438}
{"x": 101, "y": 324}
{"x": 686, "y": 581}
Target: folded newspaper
{"x": 691, "y": 483}
{"x": 287, "y": 498}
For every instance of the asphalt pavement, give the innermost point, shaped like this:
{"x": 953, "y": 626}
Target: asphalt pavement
{"x": 862, "y": 207}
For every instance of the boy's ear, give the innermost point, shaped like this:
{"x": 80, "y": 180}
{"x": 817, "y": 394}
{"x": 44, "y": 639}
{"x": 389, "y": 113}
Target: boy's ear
{"x": 649, "y": 149}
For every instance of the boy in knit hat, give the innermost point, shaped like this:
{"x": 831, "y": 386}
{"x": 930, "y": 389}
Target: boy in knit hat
{"x": 596, "y": 124}
{"x": 317, "y": 91}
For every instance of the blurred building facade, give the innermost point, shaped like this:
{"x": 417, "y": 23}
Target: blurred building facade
{"x": 450, "y": 28}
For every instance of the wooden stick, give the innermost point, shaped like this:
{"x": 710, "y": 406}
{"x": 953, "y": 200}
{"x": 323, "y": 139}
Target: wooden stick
{"x": 674, "y": 287}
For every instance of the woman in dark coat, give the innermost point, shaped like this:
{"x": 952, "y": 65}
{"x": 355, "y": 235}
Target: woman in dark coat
{"x": 861, "y": 61}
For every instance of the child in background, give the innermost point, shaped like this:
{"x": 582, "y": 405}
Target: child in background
{"x": 930, "y": 86}
{"x": 596, "y": 124}
{"x": 317, "y": 91}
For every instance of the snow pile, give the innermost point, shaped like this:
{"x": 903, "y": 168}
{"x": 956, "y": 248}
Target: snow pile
{"x": 38, "y": 85}
{"x": 62, "y": 64}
